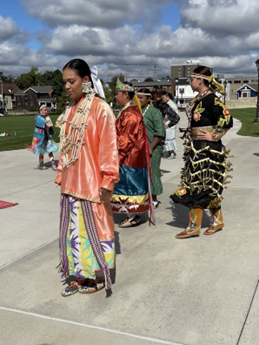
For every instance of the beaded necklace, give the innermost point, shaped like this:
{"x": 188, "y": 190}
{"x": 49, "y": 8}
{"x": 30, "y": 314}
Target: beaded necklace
{"x": 146, "y": 110}
{"x": 72, "y": 142}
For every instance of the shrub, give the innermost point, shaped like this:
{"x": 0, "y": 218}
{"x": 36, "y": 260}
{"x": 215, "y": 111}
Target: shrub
{"x": 32, "y": 108}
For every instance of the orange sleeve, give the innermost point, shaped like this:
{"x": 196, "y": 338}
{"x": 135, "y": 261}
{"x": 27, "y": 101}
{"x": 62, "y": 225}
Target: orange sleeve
{"x": 108, "y": 152}
{"x": 127, "y": 131}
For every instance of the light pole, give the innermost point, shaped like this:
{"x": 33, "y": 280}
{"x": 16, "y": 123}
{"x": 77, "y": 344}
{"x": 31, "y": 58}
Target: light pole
{"x": 181, "y": 92}
{"x": 2, "y": 93}
{"x": 225, "y": 83}
{"x": 256, "y": 120}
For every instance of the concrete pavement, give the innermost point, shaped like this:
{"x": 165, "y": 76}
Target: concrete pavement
{"x": 198, "y": 291}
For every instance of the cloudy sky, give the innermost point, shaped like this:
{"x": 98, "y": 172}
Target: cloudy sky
{"x": 132, "y": 36}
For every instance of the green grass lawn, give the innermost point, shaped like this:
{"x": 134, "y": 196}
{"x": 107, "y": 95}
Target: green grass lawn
{"x": 246, "y": 116}
{"x": 23, "y": 126}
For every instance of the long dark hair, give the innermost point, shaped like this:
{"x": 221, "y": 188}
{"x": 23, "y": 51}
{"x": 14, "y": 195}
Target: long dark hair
{"x": 168, "y": 94}
{"x": 130, "y": 93}
{"x": 145, "y": 90}
{"x": 80, "y": 67}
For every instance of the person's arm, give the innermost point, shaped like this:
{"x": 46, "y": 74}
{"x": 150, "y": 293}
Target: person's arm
{"x": 225, "y": 122}
{"x": 172, "y": 116}
{"x": 59, "y": 170}
{"x": 127, "y": 131}
{"x": 159, "y": 130}
{"x": 108, "y": 151}
{"x": 153, "y": 144}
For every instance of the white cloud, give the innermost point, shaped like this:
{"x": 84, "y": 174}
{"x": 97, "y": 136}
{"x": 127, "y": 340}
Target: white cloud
{"x": 98, "y": 13}
{"x": 221, "y": 17}
{"x": 223, "y": 33}
{"x": 10, "y": 31}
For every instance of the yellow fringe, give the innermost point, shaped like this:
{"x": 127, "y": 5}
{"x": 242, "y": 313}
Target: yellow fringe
{"x": 137, "y": 102}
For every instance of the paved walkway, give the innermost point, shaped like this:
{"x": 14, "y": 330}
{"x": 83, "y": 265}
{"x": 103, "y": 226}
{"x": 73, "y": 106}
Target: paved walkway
{"x": 198, "y": 291}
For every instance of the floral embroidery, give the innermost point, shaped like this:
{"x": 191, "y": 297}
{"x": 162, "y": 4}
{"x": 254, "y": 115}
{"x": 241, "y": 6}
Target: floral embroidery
{"x": 197, "y": 113}
{"x": 226, "y": 115}
{"x": 180, "y": 192}
{"x": 226, "y": 112}
{"x": 216, "y": 203}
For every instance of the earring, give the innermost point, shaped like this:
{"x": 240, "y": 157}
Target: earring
{"x": 86, "y": 87}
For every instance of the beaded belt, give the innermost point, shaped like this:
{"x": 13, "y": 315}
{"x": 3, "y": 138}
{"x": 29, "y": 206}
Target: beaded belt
{"x": 196, "y": 130}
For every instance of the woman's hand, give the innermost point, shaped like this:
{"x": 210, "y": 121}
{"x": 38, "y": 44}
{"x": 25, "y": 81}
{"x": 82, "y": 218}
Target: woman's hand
{"x": 105, "y": 194}
{"x": 204, "y": 135}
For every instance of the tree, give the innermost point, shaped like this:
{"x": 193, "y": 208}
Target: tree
{"x": 29, "y": 79}
{"x": 166, "y": 78}
{"x": 62, "y": 101}
{"x": 7, "y": 79}
{"x": 108, "y": 94}
{"x": 114, "y": 82}
{"x": 149, "y": 79}
{"x": 57, "y": 83}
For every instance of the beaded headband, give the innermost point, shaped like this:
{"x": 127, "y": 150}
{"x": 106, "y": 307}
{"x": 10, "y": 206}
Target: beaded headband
{"x": 144, "y": 94}
{"x": 200, "y": 76}
{"x": 211, "y": 80}
{"x": 123, "y": 87}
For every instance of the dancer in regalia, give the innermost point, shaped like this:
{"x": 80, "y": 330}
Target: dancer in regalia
{"x": 205, "y": 172}
{"x": 131, "y": 195}
{"x": 87, "y": 171}
{"x": 42, "y": 141}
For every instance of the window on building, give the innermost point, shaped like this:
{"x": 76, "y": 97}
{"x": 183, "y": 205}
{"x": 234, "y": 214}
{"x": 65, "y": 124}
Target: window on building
{"x": 237, "y": 81}
{"x": 245, "y": 81}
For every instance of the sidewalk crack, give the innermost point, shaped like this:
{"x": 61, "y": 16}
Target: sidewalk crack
{"x": 248, "y": 312}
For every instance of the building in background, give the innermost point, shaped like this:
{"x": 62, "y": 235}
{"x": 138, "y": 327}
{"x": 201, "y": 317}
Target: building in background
{"x": 163, "y": 84}
{"x": 184, "y": 70}
{"x": 183, "y": 92}
{"x": 236, "y": 83}
{"x": 36, "y": 96}
{"x": 7, "y": 96}
{"x": 247, "y": 90}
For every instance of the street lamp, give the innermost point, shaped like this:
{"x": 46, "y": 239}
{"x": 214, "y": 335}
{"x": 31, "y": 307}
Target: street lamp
{"x": 256, "y": 120}
{"x": 225, "y": 83}
{"x": 2, "y": 93}
{"x": 181, "y": 92}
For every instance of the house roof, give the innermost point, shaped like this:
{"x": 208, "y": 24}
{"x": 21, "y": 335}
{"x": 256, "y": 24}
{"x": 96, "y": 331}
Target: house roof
{"x": 151, "y": 83}
{"x": 46, "y": 100}
{"x": 9, "y": 88}
{"x": 19, "y": 93}
{"x": 182, "y": 81}
{"x": 253, "y": 87}
{"x": 40, "y": 89}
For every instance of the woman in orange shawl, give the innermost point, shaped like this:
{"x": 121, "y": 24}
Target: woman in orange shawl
{"x": 87, "y": 171}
